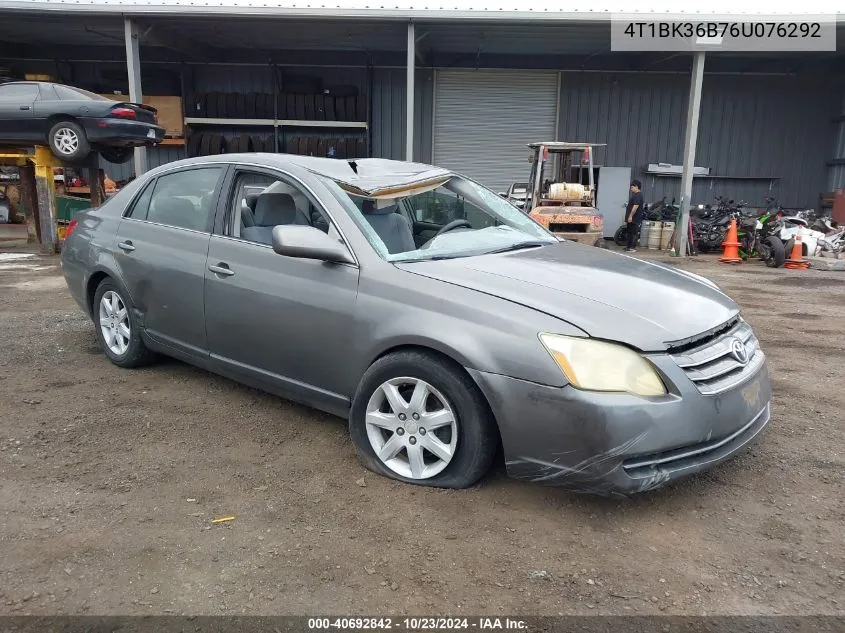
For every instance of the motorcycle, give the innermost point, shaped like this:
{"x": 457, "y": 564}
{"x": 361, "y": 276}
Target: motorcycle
{"x": 710, "y": 225}
{"x": 766, "y": 241}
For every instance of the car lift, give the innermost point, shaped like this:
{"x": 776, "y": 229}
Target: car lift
{"x": 38, "y": 191}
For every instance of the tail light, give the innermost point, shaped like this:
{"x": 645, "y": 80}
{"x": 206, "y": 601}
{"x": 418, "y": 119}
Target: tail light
{"x": 124, "y": 113}
{"x": 71, "y": 228}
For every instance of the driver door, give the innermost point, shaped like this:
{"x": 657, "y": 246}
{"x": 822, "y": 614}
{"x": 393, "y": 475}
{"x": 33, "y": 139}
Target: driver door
{"x": 280, "y": 323}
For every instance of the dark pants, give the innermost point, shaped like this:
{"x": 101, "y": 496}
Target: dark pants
{"x": 633, "y": 233}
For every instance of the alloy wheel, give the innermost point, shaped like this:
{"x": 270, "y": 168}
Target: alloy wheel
{"x": 411, "y": 427}
{"x": 66, "y": 141}
{"x": 114, "y": 323}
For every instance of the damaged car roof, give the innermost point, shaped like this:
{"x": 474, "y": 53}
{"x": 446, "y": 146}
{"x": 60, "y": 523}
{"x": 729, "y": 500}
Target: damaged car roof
{"x": 374, "y": 177}
{"x": 365, "y": 177}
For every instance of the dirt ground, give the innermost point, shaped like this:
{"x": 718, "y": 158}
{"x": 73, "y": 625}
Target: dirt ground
{"x": 109, "y": 480}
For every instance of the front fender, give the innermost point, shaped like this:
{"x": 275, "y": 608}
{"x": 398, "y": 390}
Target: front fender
{"x": 475, "y": 329}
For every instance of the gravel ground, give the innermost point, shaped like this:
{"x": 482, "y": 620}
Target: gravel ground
{"x": 109, "y": 480}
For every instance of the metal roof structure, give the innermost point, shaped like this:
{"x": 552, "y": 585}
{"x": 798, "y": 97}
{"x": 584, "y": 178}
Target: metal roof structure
{"x": 538, "y": 10}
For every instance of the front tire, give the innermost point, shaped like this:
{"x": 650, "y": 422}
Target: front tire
{"x": 117, "y": 327}
{"x": 68, "y": 142}
{"x": 420, "y": 419}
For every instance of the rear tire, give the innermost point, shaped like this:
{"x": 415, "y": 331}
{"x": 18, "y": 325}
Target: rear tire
{"x": 117, "y": 155}
{"x": 117, "y": 327}
{"x": 453, "y": 420}
{"x": 68, "y": 142}
{"x": 776, "y": 252}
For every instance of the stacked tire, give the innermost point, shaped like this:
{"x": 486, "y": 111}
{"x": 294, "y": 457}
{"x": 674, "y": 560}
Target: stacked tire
{"x": 353, "y": 147}
{"x": 288, "y": 106}
{"x": 202, "y": 143}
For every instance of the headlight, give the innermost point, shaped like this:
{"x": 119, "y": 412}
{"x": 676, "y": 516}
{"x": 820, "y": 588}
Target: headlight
{"x": 598, "y": 366}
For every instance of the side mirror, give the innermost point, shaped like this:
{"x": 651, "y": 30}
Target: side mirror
{"x": 306, "y": 242}
{"x": 503, "y": 194}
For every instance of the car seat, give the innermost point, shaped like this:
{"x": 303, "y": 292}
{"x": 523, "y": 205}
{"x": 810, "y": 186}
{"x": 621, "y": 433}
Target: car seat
{"x": 393, "y": 228}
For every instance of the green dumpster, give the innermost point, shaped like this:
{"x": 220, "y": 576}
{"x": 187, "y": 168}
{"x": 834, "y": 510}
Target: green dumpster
{"x": 69, "y": 206}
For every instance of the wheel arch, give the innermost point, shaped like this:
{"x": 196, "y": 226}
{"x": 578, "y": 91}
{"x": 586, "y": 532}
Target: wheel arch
{"x": 91, "y": 285}
{"x": 58, "y": 118}
{"x": 97, "y": 276}
{"x": 445, "y": 354}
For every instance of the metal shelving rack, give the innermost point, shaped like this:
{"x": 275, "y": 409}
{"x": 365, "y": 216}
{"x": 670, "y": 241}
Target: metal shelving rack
{"x": 275, "y": 123}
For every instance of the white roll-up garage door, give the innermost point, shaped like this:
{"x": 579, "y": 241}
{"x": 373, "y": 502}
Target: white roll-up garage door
{"x": 484, "y": 120}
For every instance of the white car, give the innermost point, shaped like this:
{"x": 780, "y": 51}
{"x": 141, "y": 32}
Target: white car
{"x": 517, "y": 194}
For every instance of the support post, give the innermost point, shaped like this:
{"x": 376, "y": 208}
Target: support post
{"x": 693, "y": 111}
{"x": 409, "y": 94}
{"x": 133, "y": 67}
{"x": 29, "y": 202}
{"x": 46, "y": 198}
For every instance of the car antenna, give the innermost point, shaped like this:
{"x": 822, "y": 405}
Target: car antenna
{"x": 354, "y": 166}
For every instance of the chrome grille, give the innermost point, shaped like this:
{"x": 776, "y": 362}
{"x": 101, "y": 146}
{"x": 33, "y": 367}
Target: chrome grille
{"x": 711, "y": 365}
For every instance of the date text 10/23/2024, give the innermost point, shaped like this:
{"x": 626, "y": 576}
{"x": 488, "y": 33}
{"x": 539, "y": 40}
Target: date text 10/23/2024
{"x": 418, "y": 624}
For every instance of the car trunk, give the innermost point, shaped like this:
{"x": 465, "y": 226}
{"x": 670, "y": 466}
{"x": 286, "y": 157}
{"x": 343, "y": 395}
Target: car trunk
{"x": 143, "y": 113}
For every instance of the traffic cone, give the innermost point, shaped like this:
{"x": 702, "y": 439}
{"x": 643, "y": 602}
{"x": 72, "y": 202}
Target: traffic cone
{"x": 731, "y": 244}
{"x": 796, "y": 258}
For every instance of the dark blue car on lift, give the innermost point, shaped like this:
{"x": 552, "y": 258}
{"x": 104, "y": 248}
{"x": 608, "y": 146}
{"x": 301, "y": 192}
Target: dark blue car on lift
{"x": 74, "y": 122}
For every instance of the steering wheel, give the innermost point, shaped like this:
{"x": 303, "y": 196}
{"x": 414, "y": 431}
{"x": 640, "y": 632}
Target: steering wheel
{"x": 454, "y": 224}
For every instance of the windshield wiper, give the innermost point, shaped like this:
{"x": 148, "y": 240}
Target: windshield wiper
{"x": 518, "y": 246}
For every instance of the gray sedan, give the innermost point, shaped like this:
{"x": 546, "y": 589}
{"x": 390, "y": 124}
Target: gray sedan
{"x": 437, "y": 318}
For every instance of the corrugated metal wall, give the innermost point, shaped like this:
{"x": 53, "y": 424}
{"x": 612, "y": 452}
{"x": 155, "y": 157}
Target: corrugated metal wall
{"x": 389, "y": 113}
{"x": 481, "y": 129}
{"x": 752, "y": 128}
{"x": 155, "y": 156}
{"x": 836, "y": 173}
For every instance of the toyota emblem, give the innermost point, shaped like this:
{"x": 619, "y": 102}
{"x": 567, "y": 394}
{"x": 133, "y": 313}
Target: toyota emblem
{"x": 738, "y": 351}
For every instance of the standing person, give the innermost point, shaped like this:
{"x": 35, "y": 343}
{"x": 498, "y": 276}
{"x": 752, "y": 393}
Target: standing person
{"x": 634, "y": 214}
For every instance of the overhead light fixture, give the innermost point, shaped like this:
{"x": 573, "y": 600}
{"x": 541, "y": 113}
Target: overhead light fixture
{"x": 709, "y": 41}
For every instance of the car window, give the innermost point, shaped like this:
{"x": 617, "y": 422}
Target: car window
{"x": 18, "y": 92}
{"x": 184, "y": 199}
{"x": 141, "y": 207}
{"x": 69, "y": 93}
{"x": 489, "y": 224}
{"x": 260, "y": 202}
{"x": 442, "y": 206}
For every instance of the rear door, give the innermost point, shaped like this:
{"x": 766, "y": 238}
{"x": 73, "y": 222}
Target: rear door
{"x": 17, "y": 104}
{"x": 162, "y": 249}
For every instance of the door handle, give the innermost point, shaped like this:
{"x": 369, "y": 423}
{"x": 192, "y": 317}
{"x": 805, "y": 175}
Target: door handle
{"x": 222, "y": 269}
{"x": 24, "y": 107}
{"x": 126, "y": 246}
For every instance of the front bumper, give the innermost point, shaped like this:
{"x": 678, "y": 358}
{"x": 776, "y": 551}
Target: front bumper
{"x": 621, "y": 444}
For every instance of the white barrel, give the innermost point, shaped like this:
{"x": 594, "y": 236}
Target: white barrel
{"x": 567, "y": 191}
{"x": 666, "y": 235}
{"x": 645, "y": 227}
{"x": 654, "y": 235}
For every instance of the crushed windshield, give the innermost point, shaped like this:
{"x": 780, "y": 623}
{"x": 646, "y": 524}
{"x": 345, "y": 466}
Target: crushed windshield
{"x": 458, "y": 218}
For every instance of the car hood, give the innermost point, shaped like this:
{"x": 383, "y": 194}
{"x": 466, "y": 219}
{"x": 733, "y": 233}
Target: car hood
{"x": 607, "y": 295}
